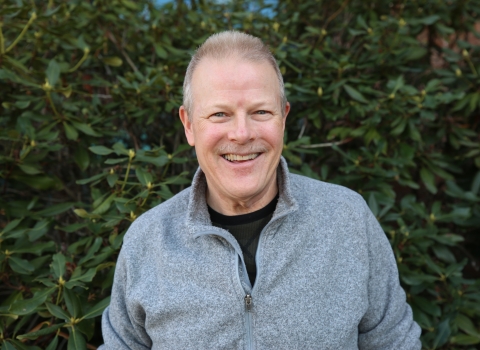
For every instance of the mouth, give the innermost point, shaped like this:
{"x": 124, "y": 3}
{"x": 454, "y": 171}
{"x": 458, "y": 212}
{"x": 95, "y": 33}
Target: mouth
{"x": 237, "y": 158}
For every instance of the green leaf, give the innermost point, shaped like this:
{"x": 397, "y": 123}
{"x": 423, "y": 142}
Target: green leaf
{"x": 97, "y": 310}
{"x": 476, "y": 184}
{"x": 7, "y": 345}
{"x": 77, "y": 279}
{"x": 131, "y": 5}
{"x": 55, "y": 209}
{"x": 39, "y": 182}
{"x": 463, "y": 339}
{"x": 73, "y": 227}
{"x": 428, "y": 306}
{"x": 29, "y": 169}
{"x": 70, "y": 131}
{"x": 93, "y": 249}
{"x": 76, "y": 341}
{"x": 101, "y": 150}
{"x": 53, "y": 72}
{"x": 415, "y": 53}
{"x": 91, "y": 179}
{"x": 143, "y": 176}
{"x": 20, "y": 266}
{"x": 116, "y": 161}
{"x": 53, "y": 345}
{"x": 372, "y": 203}
{"x": 82, "y": 158}
{"x": 429, "y": 20}
{"x": 444, "y": 254}
{"x": 160, "y": 51}
{"x": 58, "y": 265}
{"x": 355, "y": 94}
{"x": 11, "y": 225}
{"x": 156, "y": 160}
{"x": 102, "y": 208}
{"x": 85, "y": 128}
{"x": 87, "y": 327}
{"x": 72, "y": 302}
{"x": 428, "y": 179}
{"x": 120, "y": 149}
{"x": 25, "y": 307}
{"x": 43, "y": 331}
{"x": 58, "y": 312}
{"x": 466, "y": 325}
{"x": 443, "y": 333}
{"x": 112, "y": 179}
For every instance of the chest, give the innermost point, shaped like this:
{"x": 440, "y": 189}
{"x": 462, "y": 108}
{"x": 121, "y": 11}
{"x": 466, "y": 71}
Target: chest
{"x": 306, "y": 292}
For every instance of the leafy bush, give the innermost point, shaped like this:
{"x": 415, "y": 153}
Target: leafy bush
{"x": 385, "y": 101}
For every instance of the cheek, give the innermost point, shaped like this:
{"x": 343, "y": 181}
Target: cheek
{"x": 273, "y": 134}
{"x": 207, "y": 138}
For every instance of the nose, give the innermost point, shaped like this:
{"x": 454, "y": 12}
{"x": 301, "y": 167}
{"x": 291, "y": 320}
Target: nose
{"x": 243, "y": 130}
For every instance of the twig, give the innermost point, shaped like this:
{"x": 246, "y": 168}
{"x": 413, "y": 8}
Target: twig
{"x": 36, "y": 328}
{"x": 125, "y": 55}
{"x": 33, "y": 17}
{"x": 335, "y": 14}
{"x": 303, "y": 128}
{"x": 327, "y": 144}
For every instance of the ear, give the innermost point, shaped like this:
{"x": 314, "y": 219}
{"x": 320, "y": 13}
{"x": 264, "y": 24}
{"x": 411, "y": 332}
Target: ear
{"x": 287, "y": 110}
{"x": 187, "y": 125}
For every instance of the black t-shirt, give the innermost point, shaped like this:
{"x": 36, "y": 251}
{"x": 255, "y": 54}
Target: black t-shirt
{"x": 246, "y": 228}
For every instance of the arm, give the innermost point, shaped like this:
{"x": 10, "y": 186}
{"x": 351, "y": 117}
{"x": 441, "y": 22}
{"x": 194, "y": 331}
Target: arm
{"x": 388, "y": 322}
{"x": 120, "y": 329}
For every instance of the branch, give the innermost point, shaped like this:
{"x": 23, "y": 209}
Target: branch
{"x": 125, "y": 55}
{"x": 327, "y": 144}
{"x": 335, "y": 14}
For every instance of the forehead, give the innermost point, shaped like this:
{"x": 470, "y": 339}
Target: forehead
{"x": 234, "y": 73}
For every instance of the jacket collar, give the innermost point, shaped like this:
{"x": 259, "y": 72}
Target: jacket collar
{"x": 198, "y": 218}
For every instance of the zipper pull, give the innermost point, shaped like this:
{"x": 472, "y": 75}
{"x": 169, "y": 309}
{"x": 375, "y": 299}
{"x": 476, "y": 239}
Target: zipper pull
{"x": 248, "y": 302}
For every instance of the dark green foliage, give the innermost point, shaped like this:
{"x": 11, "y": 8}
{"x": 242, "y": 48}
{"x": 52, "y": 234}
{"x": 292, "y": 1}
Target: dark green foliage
{"x": 385, "y": 101}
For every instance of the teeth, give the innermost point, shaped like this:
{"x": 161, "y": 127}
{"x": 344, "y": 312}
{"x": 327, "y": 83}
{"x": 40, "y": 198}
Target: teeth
{"x": 236, "y": 157}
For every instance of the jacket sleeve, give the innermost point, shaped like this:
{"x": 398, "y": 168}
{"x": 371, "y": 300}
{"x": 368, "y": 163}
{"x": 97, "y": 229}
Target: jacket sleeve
{"x": 388, "y": 322}
{"x": 119, "y": 327}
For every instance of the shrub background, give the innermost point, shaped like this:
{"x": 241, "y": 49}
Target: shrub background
{"x": 385, "y": 100}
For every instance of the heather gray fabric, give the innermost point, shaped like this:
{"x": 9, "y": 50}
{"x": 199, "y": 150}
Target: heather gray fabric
{"x": 326, "y": 278}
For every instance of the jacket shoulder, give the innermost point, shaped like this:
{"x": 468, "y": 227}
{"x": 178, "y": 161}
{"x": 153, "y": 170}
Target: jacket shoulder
{"x": 309, "y": 190}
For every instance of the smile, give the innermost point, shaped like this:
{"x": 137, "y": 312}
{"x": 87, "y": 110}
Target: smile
{"x": 239, "y": 158}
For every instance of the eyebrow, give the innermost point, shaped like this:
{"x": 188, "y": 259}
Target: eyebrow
{"x": 227, "y": 106}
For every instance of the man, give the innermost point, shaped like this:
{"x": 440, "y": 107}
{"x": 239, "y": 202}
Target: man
{"x": 250, "y": 256}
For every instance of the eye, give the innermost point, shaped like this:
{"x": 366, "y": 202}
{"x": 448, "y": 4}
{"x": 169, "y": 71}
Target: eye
{"x": 262, "y": 112}
{"x": 219, "y": 114}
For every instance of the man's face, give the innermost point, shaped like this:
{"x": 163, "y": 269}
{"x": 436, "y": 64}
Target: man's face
{"x": 237, "y": 128}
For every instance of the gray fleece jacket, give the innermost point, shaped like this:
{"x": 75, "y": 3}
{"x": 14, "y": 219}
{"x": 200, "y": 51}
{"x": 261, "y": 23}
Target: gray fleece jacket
{"x": 326, "y": 278}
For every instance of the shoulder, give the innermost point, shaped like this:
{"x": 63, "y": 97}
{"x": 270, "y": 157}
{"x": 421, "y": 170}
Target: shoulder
{"x": 155, "y": 221}
{"x": 311, "y": 191}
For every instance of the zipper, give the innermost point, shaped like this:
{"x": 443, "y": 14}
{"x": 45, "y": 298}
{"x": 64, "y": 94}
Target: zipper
{"x": 248, "y": 300}
{"x": 248, "y": 320}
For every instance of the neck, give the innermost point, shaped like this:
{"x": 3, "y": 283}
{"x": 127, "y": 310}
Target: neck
{"x": 239, "y": 206}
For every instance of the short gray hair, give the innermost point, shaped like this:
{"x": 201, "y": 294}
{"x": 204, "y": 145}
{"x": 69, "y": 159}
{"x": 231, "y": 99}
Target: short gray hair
{"x": 230, "y": 44}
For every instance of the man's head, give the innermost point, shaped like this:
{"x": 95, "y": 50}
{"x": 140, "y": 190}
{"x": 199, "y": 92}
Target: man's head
{"x": 226, "y": 45}
{"x": 235, "y": 118}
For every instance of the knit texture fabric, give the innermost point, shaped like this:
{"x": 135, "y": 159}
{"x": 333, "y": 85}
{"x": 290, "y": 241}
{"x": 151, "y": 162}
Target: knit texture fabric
{"x": 326, "y": 279}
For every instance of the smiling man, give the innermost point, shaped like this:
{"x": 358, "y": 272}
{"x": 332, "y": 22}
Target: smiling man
{"x": 251, "y": 256}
